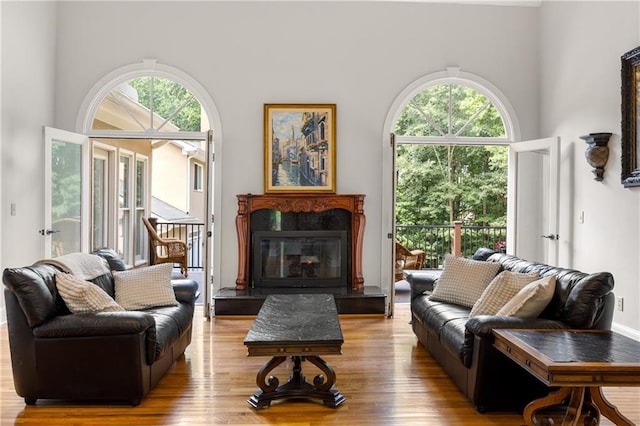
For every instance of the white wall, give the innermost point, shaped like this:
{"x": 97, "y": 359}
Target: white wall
{"x": 357, "y": 55}
{"x": 581, "y": 45}
{"x": 28, "y": 87}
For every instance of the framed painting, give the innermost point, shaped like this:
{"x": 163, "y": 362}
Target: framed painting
{"x": 630, "y": 140}
{"x": 299, "y": 148}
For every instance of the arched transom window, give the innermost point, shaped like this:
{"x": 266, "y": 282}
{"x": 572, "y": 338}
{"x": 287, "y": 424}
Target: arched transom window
{"x": 451, "y": 112}
{"x": 150, "y": 104}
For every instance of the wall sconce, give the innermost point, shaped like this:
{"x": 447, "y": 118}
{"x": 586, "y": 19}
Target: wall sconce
{"x": 597, "y": 152}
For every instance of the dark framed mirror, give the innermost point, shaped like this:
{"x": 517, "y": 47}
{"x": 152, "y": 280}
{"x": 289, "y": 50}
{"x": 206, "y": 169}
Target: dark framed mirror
{"x": 630, "y": 120}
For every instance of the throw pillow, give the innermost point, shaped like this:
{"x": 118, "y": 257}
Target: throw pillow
{"x": 143, "y": 288}
{"x": 501, "y": 290}
{"x": 531, "y": 300}
{"x": 463, "y": 280}
{"x": 82, "y": 296}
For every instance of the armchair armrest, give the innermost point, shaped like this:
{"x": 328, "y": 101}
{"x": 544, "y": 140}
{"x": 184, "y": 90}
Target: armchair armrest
{"x": 96, "y": 324}
{"x": 186, "y": 290}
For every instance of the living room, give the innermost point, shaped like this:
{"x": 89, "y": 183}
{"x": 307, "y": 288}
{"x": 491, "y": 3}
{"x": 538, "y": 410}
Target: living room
{"x": 558, "y": 63}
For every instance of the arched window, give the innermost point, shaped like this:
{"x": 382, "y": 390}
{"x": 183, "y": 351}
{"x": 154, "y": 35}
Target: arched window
{"x": 451, "y": 111}
{"x": 150, "y": 104}
{"x": 451, "y": 131}
{"x": 149, "y": 122}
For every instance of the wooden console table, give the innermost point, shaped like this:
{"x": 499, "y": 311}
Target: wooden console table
{"x": 303, "y": 327}
{"x": 580, "y": 362}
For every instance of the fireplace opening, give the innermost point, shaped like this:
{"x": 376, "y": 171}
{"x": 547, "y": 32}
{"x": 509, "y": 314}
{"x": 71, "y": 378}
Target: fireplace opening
{"x": 300, "y": 259}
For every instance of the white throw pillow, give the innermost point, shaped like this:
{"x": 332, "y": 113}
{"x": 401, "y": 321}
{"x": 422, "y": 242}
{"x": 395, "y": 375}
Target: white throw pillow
{"x": 82, "y": 296}
{"x": 501, "y": 290}
{"x": 463, "y": 280}
{"x": 531, "y": 300}
{"x": 143, "y": 288}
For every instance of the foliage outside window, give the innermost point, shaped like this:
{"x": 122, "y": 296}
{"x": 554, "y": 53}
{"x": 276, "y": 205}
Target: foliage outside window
{"x": 444, "y": 180}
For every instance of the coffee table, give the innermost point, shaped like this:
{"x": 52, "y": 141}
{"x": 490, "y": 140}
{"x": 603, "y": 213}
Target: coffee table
{"x": 580, "y": 362}
{"x": 303, "y": 327}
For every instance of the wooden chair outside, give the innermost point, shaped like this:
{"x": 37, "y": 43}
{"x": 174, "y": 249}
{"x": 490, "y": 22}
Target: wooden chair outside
{"x": 407, "y": 259}
{"x": 167, "y": 250}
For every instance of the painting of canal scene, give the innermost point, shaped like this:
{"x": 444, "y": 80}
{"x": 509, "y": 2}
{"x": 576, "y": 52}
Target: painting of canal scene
{"x": 299, "y": 148}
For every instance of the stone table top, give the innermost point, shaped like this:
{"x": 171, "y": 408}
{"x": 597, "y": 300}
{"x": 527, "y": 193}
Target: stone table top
{"x": 295, "y": 319}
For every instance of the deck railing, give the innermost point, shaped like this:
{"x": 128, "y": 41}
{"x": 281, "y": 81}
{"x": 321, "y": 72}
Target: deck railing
{"x": 190, "y": 233}
{"x": 436, "y": 240}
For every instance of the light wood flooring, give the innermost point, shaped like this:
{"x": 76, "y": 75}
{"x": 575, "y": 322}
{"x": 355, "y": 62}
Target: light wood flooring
{"x": 386, "y": 376}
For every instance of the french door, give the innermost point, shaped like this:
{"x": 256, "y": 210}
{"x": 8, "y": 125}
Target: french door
{"x": 66, "y": 207}
{"x": 533, "y": 197}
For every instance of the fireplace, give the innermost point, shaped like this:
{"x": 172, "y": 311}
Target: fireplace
{"x": 300, "y": 241}
{"x": 300, "y": 259}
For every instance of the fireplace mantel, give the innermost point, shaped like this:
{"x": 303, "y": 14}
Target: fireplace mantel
{"x": 301, "y": 202}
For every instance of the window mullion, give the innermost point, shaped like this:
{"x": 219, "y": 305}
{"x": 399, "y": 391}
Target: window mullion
{"x": 473, "y": 117}
{"x": 174, "y": 113}
{"x": 426, "y": 117}
{"x": 128, "y": 111}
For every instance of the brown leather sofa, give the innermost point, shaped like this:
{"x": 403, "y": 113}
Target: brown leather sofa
{"x": 463, "y": 346}
{"x": 107, "y": 356}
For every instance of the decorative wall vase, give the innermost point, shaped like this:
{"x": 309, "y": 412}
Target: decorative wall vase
{"x": 597, "y": 152}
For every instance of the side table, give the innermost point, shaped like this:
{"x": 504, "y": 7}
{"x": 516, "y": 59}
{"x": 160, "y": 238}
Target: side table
{"x": 580, "y": 362}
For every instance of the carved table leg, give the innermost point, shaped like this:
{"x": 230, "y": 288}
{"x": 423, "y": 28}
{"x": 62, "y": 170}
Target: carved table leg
{"x": 554, "y": 398}
{"x": 297, "y": 386}
{"x": 574, "y": 409}
{"x": 607, "y": 409}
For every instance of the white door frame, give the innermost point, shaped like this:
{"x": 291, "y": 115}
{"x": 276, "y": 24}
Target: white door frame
{"x": 549, "y": 147}
{"x": 50, "y": 135}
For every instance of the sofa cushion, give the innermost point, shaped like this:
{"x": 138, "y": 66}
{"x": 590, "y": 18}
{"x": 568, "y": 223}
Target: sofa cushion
{"x": 83, "y": 296}
{"x": 500, "y": 291}
{"x": 531, "y": 300}
{"x": 145, "y": 288}
{"x": 463, "y": 280}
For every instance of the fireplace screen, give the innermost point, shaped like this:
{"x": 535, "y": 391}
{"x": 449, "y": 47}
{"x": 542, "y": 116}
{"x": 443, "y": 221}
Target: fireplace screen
{"x": 300, "y": 259}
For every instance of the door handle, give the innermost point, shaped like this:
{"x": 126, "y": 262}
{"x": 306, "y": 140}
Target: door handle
{"x": 47, "y": 231}
{"x": 550, "y": 236}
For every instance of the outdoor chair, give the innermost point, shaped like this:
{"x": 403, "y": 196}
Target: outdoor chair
{"x": 407, "y": 259}
{"x": 167, "y": 250}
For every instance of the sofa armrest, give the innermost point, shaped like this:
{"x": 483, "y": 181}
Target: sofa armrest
{"x": 186, "y": 290}
{"x": 483, "y": 325}
{"x": 96, "y": 324}
{"x": 421, "y": 280}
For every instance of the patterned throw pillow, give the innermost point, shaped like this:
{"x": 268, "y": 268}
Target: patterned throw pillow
{"x": 500, "y": 290}
{"x": 463, "y": 280}
{"x": 82, "y": 296}
{"x": 531, "y": 300}
{"x": 144, "y": 288}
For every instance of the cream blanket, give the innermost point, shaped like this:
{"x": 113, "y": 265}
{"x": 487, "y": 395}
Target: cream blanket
{"x": 83, "y": 265}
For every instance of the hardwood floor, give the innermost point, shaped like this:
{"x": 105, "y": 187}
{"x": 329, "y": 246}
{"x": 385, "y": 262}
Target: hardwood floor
{"x": 386, "y": 376}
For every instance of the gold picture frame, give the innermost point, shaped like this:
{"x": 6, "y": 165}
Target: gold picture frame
{"x": 299, "y": 148}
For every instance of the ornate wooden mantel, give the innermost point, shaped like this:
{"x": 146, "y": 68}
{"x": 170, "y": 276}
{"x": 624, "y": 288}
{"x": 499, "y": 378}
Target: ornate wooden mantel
{"x": 248, "y": 203}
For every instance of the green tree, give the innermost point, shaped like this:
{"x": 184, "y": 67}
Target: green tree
{"x": 437, "y": 184}
{"x": 171, "y": 100}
